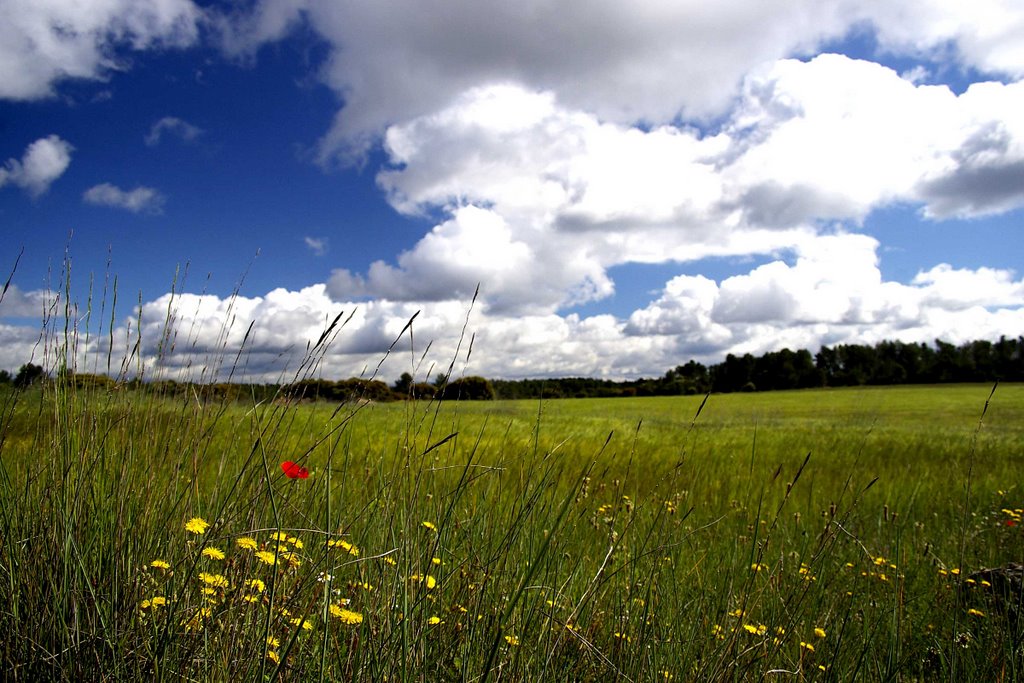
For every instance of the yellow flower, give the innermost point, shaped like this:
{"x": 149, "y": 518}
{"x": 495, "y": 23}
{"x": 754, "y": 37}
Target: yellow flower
{"x": 435, "y": 560}
{"x": 390, "y": 561}
{"x": 273, "y": 642}
{"x": 273, "y": 656}
{"x": 295, "y": 542}
{"x": 158, "y": 601}
{"x": 213, "y": 553}
{"x": 197, "y": 525}
{"x": 512, "y": 640}
{"x": 430, "y": 525}
{"x": 305, "y": 624}
{"x": 820, "y": 632}
{"x": 430, "y": 581}
{"x": 256, "y": 585}
{"x": 807, "y": 646}
{"x": 975, "y": 612}
{"x": 160, "y": 564}
{"x": 247, "y": 542}
{"x": 758, "y": 630}
{"x": 266, "y": 557}
{"x": 433, "y": 621}
{"x": 215, "y": 580}
{"x": 279, "y": 536}
{"x": 346, "y": 616}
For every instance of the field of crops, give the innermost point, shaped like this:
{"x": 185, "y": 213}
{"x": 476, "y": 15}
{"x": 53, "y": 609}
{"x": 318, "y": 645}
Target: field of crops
{"x": 824, "y": 535}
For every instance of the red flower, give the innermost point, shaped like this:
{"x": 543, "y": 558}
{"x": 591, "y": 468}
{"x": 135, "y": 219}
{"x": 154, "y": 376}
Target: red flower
{"x": 1010, "y": 522}
{"x": 293, "y": 471}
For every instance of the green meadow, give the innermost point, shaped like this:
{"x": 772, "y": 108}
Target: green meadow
{"x": 818, "y": 535}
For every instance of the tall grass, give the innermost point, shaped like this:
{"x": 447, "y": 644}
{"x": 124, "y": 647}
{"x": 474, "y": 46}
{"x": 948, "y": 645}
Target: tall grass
{"x": 817, "y": 535}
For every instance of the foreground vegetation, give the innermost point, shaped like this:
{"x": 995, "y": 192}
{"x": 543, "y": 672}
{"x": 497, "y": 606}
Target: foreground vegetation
{"x": 807, "y": 535}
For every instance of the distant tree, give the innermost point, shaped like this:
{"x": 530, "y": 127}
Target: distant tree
{"x": 403, "y": 384}
{"x": 441, "y": 379}
{"x": 5, "y": 377}
{"x": 469, "y": 389}
{"x": 28, "y": 374}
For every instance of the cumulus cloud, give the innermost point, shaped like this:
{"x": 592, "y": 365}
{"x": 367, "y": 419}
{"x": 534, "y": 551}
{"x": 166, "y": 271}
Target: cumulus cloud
{"x": 44, "y": 161}
{"x": 650, "y": 61}
{"x": 42, "y": 43}
{"x": 141, "y": 199}
{"x": 173, "y": 126}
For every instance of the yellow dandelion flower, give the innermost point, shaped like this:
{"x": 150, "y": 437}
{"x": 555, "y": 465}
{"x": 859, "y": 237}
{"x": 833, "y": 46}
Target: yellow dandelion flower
{"x": 256, "y": 585}
{"x": 807, "y": 646}
{"x": 266, "y": 557}
{"x": 273, "y": 656}
{"x": 251, "y": 599}
{"x": 158, "y": 601}
{"x": 305, "y": 624}
{"x": 197, "y": 525}
{"x": 758, "y": 567}
{"x": 736, "y": 613}
{"x": 975, "y": 612}
{"x": 160, "y": 564}
{"x": 295, "y": 541}
{"x": 346, "y": 616}
{"x": 512, "y": 640}
{"x": 273, "y": 642}
{"x": 279, "y": 536}
{"x": 247, "y": 543}
{"x": 215, "y": 580}
{"x": 879, "y": 561}
{"x": 429, "y": 525}
{"x": 430, "y": 581}
{"x": 819, "y": 632}
{"x": 213, "y": 553}
{"x": 435, "y": 560}
{"x": 758, "y": 630}
{"x": 433, "y": 621}
{"x": 390, "y": 561}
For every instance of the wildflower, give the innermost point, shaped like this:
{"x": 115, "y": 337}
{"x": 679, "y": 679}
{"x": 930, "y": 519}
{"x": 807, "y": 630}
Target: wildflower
{"x": 879, "y": 561}
{"x": 512, "y": 640}
{"x": 807, "y": 646}
{"x": 213, "y": 553}
{"x": 158, "y": 601}
{"x": 623, "y": 636}
{"x": 295, "y": 541}
{"x": 819, "y": 632}
{"x": 197, "y": 525}
{"x": 215, "y": 580}
{"x": 293, "y": 470}
{"x": 758, "y": 630}
{"x": 738, "y": 613}
{"x": 433, "y": 621}
{"x": 975, "y": 612}
{"x": 273, "y": 656}
{"x": 390, "y": 561}
{"x": 345, "y": 615}
{"x": 247, "y": 542}
{"x": 757, "y": 567}
{"x": 255, "y": 585}
{"x": 429, "y": 525}
{"x": 305, "y": 624}
{"x": 435, "y": 560}
{"x": 160, "y": 564}
{"x": 266, "y": 557}
{"x": 430, "y": 581}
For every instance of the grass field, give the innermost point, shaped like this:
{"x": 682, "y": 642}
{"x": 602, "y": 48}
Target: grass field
{"x": 813, "y": 535}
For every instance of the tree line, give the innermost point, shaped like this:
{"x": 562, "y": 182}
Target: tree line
{"x": 888, "y": 362}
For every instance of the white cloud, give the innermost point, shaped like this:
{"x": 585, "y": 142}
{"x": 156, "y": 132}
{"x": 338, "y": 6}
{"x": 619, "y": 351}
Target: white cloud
{"x": 649, "y": 61}
{"x": 44, "y": 161}
{"x": 138, "y": 200}
{"x": 44, "y": 42}
{"x": 318, "y": 245}
{"x": 175, "y": 126}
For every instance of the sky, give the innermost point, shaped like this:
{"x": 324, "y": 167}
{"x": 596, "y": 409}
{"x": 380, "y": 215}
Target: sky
{"x": 196, "y": 190}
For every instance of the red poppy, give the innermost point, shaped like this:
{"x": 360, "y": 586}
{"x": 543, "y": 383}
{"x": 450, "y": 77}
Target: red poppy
{"x": 293, "y": 470}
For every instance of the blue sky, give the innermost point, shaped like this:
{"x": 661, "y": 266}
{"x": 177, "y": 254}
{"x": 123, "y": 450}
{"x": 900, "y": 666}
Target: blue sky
{"x": 630, "y": 187}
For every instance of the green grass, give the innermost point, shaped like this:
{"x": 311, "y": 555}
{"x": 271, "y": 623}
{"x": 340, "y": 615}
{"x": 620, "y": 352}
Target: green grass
{"x": 584, "y": 539}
